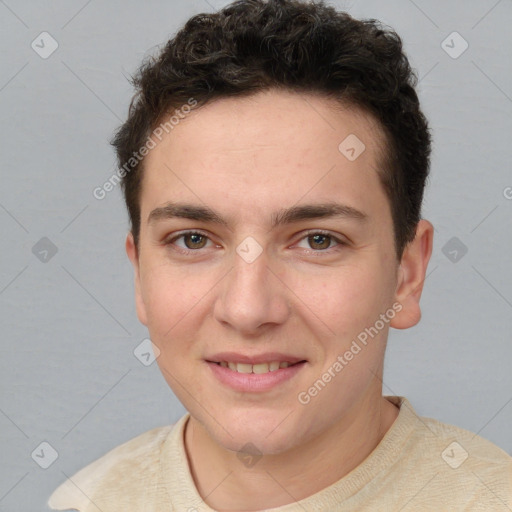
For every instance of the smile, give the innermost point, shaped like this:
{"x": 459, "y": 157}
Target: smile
{"x": 255, "y": 368}
{"x": 254, "y": 378}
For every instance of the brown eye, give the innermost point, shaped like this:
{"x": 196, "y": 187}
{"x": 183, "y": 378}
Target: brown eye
{"x": 189, "y": 241}
{"x": 319, "y": 241}
{"x": 194, "y": 240}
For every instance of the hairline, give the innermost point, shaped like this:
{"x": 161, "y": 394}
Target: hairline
{"x": 384, "y": 149}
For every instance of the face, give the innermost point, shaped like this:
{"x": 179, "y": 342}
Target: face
{"x": 262, "y": 242}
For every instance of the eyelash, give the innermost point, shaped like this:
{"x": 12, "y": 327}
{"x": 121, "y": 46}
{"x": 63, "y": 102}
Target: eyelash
{"x": 340, "y": 243}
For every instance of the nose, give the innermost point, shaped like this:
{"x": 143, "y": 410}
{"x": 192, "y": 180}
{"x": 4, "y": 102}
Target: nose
{"x": 251, "y": 297}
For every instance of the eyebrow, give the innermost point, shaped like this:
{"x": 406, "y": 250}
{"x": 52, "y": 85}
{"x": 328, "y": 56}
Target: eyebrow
{"x": 284, "y": 216}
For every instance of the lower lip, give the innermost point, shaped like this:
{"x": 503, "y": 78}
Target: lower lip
{"x": 254, "y": 382}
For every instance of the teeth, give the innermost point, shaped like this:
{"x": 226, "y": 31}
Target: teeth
{"x": 255, "y": 368}
{"x": 260, "y": 368}
{"x": 243, "y": 368}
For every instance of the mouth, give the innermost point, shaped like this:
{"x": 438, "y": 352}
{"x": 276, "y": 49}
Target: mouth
{"x": 259, "y": 368}
{"x": 255, "y": 373}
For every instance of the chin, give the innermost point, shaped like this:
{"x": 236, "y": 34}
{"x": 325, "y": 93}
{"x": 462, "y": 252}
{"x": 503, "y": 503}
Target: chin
{"x": 263, "y": 433}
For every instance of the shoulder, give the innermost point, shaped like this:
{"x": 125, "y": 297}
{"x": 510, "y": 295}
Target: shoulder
{"x": 128, "y": 469}
{"x": 464, "y": 445}
{"x": 459, "y": 465}
{"x": 433, "y": 435}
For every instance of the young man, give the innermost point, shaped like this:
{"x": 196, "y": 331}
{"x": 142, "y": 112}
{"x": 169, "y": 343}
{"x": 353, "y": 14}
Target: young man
{"x": 273, "y": 165}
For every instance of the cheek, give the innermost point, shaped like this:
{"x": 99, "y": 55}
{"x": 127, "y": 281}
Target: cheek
{"x": 172, "y": 297}
{"x": 345, "y": 301}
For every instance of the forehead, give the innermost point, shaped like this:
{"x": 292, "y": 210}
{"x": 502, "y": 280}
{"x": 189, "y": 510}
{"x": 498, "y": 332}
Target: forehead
{"x": 265, "y": 150}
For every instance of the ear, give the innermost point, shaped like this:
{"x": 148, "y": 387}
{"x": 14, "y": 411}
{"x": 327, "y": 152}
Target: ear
{"x": 411, "y": 276}
{"x": 133, "y": 255}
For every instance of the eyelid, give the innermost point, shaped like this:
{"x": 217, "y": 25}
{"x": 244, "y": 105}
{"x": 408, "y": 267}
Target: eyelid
{"x": 340, "y": 241}
{"x": 169, "y": 241}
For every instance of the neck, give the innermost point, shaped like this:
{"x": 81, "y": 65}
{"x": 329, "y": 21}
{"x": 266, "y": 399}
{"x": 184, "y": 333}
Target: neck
{"x": 227, "y": 485}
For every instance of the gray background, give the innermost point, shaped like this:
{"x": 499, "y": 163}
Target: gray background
{"x": 68, "y": 374}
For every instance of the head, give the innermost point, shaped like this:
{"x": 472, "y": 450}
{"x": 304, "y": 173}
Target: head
{"x": 286, "y": 138}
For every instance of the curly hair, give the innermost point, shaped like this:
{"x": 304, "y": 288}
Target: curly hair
{"x": 309, "y": 47}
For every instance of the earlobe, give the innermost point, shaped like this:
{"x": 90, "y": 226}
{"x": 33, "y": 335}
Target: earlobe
{"x": 411, "y": 276}
{"x": 133, "y": 255}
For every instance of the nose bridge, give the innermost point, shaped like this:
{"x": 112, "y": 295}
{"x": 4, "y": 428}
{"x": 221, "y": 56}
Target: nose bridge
{"x": 251, "y": 295}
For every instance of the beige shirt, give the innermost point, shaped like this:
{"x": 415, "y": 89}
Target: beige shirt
{"x": 419, "y": 465}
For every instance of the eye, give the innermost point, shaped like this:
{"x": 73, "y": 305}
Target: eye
{"x": 188, "y": 242}
{"x": 320, "y": 241}
{"x": 191, "y": 241}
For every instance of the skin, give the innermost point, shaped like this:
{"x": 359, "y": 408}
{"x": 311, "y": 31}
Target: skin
{"x": 248, "y": 158}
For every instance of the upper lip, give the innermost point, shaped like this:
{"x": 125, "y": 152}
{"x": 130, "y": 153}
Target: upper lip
{"x": 268, "y": 357}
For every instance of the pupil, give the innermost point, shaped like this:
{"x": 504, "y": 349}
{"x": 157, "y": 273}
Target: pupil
{"x": 317, "y": 239}
{"x": 195, "y": 239}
